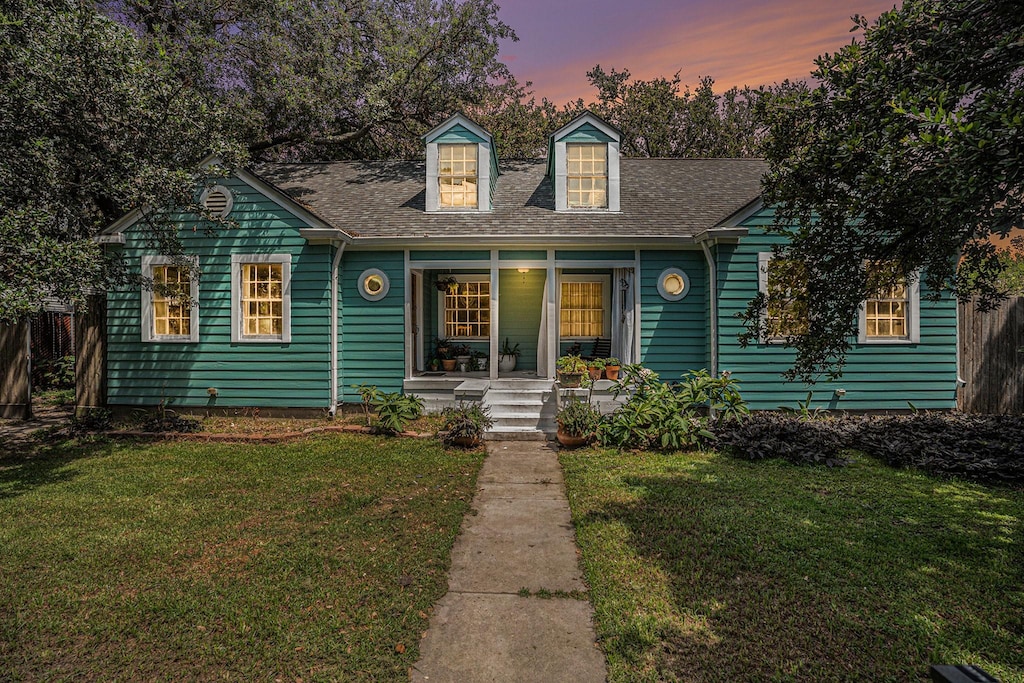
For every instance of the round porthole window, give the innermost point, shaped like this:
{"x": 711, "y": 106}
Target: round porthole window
{"x": 373, "y": 284}
{"x": 673, "y": 284}
{"x": 218, "y": 200}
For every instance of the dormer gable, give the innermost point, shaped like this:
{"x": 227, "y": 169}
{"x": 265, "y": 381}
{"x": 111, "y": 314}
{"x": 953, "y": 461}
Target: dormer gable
{"x": 583, "y": 165}
{"x": 462, "y": 167}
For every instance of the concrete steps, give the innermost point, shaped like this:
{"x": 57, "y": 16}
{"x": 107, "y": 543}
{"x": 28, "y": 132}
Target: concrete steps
{"x": 522, "y": 410}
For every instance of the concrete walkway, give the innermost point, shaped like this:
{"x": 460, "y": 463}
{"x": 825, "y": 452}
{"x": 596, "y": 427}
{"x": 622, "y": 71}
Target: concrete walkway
{"x": 519, "y": 537}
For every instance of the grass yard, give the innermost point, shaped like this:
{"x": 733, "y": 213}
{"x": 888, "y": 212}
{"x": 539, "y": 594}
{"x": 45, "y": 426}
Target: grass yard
{"x": 312, "y": 560}
{"x": 706, "y": 568}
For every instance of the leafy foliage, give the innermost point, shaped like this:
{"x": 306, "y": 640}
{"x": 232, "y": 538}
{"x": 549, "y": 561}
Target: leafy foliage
{"x": 89, "y": 129}
{"x": 395, "y": 410}
{"x": 671, "y": 417}
{"x": 464, "y": 421}
{"x": 578, "y": 418}
{"x": 765, "y": 435}
{"x": 95, "y": 420}
{"x": 168, "y": 421}
{"x": 985, "y": 447}
{"x": 908, "y": 151}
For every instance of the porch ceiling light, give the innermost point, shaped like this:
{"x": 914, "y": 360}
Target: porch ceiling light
{"x": 673, "y": 284}
{"x": 373, "y": 284}
{"x": 523, "y": 270}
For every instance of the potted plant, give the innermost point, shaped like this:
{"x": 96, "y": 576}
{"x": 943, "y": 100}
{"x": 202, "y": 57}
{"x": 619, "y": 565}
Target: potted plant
{"x": 447, "y": 284}
{"x": 464, "y": 425}
{"x": 461, "y": 354}
{"x": 595, "y": 367}
{"x": 611, "y": 368}
{"x": 477, "y": 361}
{"x": 570, "y": 371}
{"x": 509, "y": 354}
{"x": 445, "y": 355}
{"x": 577, "y": 423}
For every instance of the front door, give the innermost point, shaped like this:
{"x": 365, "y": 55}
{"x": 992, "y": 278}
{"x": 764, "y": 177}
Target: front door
{"x": 521, "y": 300}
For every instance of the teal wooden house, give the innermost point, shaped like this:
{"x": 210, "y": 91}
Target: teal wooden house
{"x": 347, "y": 273}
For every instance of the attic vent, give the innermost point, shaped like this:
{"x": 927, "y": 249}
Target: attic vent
{"x": 217, "y": 200}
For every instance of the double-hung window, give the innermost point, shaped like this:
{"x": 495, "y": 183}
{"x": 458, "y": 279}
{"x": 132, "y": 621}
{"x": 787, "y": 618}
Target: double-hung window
{"x": 457, "y": 176}
{"x": 467, "y": 309}
{"x": 584, "y": 306}
{"x": 890, "y": 312}
{"x": 785, "y": 313}
{"x": 261, "y": 298}
{"x": 586, "y": 175}
{"x": 170, "y": 309}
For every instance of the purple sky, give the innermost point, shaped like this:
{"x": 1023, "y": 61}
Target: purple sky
{"x": 737, "y": 42}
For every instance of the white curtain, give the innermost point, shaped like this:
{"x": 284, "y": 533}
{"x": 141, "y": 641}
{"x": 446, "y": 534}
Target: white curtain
{"x": 542, "y": 336}
{"x": 623, "y": 315}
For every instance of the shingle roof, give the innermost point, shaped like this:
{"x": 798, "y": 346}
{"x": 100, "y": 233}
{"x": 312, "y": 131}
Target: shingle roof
{"x": 658, "y": 198}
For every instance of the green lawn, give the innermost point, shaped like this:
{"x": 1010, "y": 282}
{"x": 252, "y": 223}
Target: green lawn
{"x": 706, "y": 568}
{"x": 314, "y": 560}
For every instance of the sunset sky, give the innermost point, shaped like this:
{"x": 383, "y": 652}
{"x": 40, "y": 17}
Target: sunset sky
{"x": 737, "y": 42}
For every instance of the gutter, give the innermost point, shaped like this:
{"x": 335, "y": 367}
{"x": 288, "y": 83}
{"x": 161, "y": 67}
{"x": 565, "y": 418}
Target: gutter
{"x": 713, "y": 281}
{"x": 339, "y": 250}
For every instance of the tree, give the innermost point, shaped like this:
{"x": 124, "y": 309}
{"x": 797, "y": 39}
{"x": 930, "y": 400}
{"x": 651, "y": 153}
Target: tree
{"x": 325, "y": 79}
{"x": 908, "y": 152}
{"x": 88, "y": 129}
{"x": 662, "y": 118}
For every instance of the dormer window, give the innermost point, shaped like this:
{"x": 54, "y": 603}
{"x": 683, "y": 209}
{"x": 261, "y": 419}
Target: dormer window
{"x": 583, "y": 165}
{"x": 587, "y": 175}
{"x": 458, "y": 186}
{"x": 461, "y": 167}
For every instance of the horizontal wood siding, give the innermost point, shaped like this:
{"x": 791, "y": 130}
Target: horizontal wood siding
{"x": 673, "y": 334}
{"x": 373, "y": 332}
{"x": 589, "y": 255}
{"x": 442, "y": 255}
{"x": 876, "y": 376}
{"x": 293, "y": 375}
{"x": 522, "y": 255}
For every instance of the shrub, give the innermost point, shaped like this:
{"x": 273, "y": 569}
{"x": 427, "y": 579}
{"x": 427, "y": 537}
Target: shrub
{"x": 578, "y": 418}
{"x": 167, "y": 421}
{"x": 396, "y": 410}
{"x": 661, "y": 416}
{"x": 765, "y": 435}
{"x": 94, "y": 420}
{"x": 465, "y": 421}
{"x": 984, "y": 447}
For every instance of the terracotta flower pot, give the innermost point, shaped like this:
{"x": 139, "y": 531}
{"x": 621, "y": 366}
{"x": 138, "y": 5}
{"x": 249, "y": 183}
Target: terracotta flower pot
{"x": 448, "y": 364}
{"x": 595, "y": 373}
{"x": 467, "y": 441}
{"x": 568, "y": 441}
{"x": 612, "y": 371}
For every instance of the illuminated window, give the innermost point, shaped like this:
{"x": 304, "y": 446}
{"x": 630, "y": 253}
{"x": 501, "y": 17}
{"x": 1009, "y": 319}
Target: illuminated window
{"x": 887, "y": 312}
{"x": 169, "y": 308}
{"x": 261, "y": 297}
{"x": 587, "y": 176}
{"x": 673, "y": 284}
{"x": 467, "y": 310}
{"x": 786, "y": 313}
{"x": 583, "y": 307}
{"x": 456, "y": 176}
{"x": 374, "y": 284}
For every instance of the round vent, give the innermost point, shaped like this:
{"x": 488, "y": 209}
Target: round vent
{"x": 217, "y": 200}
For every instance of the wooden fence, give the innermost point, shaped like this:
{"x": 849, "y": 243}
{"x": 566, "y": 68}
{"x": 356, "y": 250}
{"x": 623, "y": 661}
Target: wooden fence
{"x": 990, "y": 359}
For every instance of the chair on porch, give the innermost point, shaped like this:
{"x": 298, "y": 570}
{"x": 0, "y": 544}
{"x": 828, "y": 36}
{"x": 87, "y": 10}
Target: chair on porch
{"x": 602, "y": 349}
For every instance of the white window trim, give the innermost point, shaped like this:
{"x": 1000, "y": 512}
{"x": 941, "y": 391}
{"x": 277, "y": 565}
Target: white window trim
{"x": 606, "y": 296}
{"x": 147, "y": 301}
{"x": 913, "y": 318}
{"x": 562, "y": 180}
{"x": 236, "y": 298}
{"x": 483, "y": 179}
{"x": 470, "y": 277}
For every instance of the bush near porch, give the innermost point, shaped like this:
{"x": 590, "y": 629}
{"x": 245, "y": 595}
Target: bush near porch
{"x": 705, "y": 567}
{"x": 313, "y": 560}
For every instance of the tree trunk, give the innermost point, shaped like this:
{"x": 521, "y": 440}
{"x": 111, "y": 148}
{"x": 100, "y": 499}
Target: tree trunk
{"x": 91, "y": 358}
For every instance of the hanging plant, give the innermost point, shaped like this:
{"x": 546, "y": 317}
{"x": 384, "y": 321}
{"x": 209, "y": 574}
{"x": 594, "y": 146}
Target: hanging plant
{"x": 448, "y": 284}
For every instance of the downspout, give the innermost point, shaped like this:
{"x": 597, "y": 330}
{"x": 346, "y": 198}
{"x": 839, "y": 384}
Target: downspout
{"x": 713, "y": 281}
{"x": 333, "y": 409}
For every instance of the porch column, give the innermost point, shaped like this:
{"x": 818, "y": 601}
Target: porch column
{"x": 410, "y": 360}
{"x": 493, "y": 364}
{"x": 553, "y": 319}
